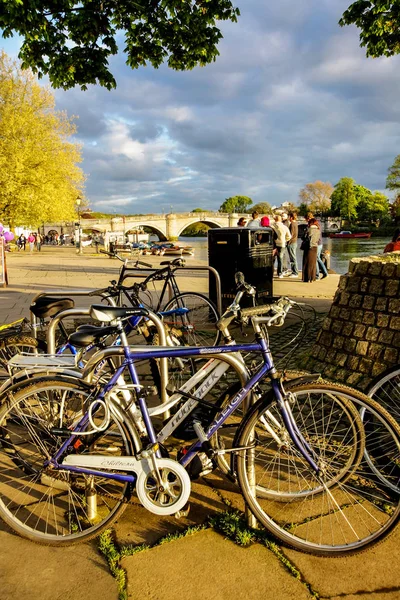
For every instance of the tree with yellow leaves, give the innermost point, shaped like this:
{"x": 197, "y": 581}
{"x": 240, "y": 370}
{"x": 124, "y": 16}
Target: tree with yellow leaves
{"x": 39, "y": 174}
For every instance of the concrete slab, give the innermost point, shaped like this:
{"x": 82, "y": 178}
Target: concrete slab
{"x": 374, "y": 574}
{"x": 205, "y": 565}
{"x": 28, "y": 570}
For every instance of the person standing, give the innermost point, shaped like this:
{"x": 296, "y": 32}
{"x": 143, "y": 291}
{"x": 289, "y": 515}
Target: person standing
{"x": 22, "y": 242}
{"x": 282, "y": 238}
{"x": 31, "y": 242}
{"x": 292, "y": 245}
{"x": 310, "y": 247}
{"x": 320, "y": 264}
{"x": 39, "y": 241}
{"x": 96, "y": 241}
{"x": 254, "y": 222}
{"x": 241, "y": 222}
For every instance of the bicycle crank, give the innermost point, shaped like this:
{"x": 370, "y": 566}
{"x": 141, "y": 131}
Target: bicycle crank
{"x": 162, "y": 485}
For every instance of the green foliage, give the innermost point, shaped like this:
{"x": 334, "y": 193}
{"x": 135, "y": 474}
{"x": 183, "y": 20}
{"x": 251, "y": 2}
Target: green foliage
{"x": 39, "y": 175}
{"x": 393, "y": 178}
{"x": 303, "y": 209}
{"x": 196, "y": 230}
{"x": 344, "y": 199}
{"x": 395, "y": 208}
{"x": 263, "y": 208}
{"x": 236, "y": 204}
{"x": 72, "y": 41}
{"x": 379, "y": 22}
{"x": 372, "y": 206}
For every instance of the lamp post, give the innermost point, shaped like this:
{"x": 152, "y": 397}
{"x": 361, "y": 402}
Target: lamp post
{"x": 78, "y": 203}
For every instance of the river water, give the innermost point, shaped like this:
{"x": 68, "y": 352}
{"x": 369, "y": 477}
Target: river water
{"x": 342, "y": 251}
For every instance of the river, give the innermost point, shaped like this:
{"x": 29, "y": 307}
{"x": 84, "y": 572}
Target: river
{"x": 341, "y": 250}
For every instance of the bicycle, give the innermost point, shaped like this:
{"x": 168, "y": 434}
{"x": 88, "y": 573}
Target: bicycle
{"x": 72, "y": 455}
{"x": 197, "y": 325}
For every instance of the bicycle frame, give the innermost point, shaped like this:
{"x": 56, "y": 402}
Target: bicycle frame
{"x": 267, "y": 368}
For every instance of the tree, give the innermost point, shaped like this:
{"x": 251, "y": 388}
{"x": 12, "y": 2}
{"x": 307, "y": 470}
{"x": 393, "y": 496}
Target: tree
{"x": 393, "y": 178}
{"x": 263, "y": 208}
{"x": 371, "y": 206}
{"x": 236, "y": 204}
{"x": 344, "y": 199}
{"x": 39, "y": 176}
{"x": 395, "y": 208}
{"x": 71, "y": 41}
{"x": 317, "y": 196}
{"x": 379, "y": 22}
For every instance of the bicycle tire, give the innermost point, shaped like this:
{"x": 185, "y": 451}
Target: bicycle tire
{"x": 385, "y": 389}
{"x": 47, "y": 506}
{"x": 344, "y": 518}
{"x": 199, "y": 324}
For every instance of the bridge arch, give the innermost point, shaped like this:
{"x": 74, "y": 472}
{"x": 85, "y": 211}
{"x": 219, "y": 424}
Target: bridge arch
{"x": 212, "y": 224}
{"x": 156, "y": 230}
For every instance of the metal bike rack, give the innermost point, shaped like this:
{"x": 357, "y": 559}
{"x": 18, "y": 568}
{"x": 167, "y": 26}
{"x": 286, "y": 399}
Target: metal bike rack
{"x": 74, "y": 312}
{"x": 65, "y": 294}
{"x": 144, "y": 272}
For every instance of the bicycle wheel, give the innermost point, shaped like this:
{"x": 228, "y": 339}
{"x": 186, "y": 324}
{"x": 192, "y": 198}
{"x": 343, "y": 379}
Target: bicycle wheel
{"x": 198, "y": 325}
{"x": 332, "y": 424}
{"x": 52, "y": 506}
{"x": 17, "y": 344}
{"x": 340, "y": 514}
{"x": 385, "y": 389}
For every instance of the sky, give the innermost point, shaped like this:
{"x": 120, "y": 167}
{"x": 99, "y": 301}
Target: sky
{"x": 291, "y": 99}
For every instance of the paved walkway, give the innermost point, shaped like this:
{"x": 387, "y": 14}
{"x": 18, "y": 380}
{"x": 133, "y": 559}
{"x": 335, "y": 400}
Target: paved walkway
{"x": 201, "y": 565}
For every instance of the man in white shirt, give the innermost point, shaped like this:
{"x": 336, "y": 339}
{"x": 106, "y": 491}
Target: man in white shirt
{"x": 282, "y": 238}
{"x": 254, "y": 222}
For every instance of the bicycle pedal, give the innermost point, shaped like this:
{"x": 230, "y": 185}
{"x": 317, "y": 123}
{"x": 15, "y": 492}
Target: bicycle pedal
{"x": 183, "y": 513}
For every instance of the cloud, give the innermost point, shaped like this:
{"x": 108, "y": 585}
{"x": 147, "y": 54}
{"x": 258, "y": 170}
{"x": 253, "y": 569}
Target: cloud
{"x": 290, "y": 99}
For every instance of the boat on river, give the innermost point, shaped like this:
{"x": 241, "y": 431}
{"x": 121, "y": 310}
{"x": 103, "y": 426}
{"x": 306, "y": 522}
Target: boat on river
{"x": 170, "y": 249}
{"x": 347, "y": 235}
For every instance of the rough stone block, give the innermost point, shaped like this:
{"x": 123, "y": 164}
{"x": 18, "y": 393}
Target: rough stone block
{"x": 382, "y": 320}
{"x": 394, "y": 306}
{"x": 353, "y": 284}
{"x": 352, "y": 266}
{"x": 366, "y": 365}
{"x": 331, "y": 356}
{"x": 369, "y": 318}
{"x": 376, "y": 351}
{"x": 315, "y": 351}
{"x": 375, "y": 268}
{"x": 355, "y": 301}
{"x": 354, "y": 378}
{"x": 344, "y": 299}
{"x": 342, "y": 282}
{"x": 362, "y": 268}
{"x": 362, "y": 348}
{"x": 368, "y": 302}
{"x": 347, "y": 329}
{"x": 330, "y": 372}
{"x": 389, "y": 270}
{"x": 376, "y": 286}
{"x": 359, "y": 331}
{"x": 351, "y": 345}
{"x": 391, "y": 287}
{"x": 381, "y": 304}
{"x": 391, "y": 355}
{"x": 386, "y": 336}
{"x": 322, "y": 354}
{"x": 396, "y": 340}
{"x": 378, "y": 368}
{"x": 364, "y": 287}
{"x": 342, "y": 375}
{"x": 372, "y": 334}
{"x": 337, "y": 326}
{"x": 325, "y": 339}
{"x": 334, "y": 312}
{"x": 326, "y": 325}
{"x": 345, "y": 314}
{"x": 357, "y": 316}
{"x": 395, "y": 323}
{"x": 341, "y": 358}
{"x": 352, "y": 363}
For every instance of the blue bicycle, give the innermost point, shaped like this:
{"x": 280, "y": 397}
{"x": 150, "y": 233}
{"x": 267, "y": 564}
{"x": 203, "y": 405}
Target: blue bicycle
{"x": 73, "y": 453}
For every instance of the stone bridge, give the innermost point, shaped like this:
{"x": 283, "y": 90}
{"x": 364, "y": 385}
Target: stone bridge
{"x": 167, "y": 227}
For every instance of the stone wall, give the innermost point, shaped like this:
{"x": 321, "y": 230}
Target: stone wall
{"x": 360, "y": 338}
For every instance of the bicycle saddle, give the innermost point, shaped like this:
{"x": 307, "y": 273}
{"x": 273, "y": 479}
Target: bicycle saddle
{"x": 110, "y": 313}
{"x": 85, "y": 337}
{"x": 177, "y": 262}
{"x": 48, "y": 306}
